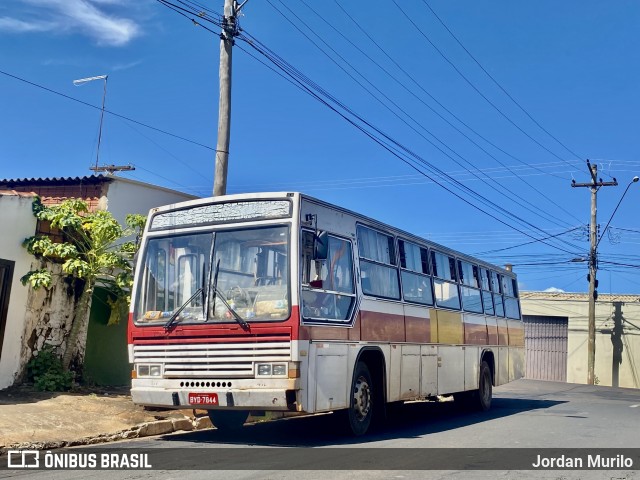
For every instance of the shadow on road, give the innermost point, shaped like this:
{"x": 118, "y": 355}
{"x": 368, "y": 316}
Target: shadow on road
{"x": 408, "y": 421}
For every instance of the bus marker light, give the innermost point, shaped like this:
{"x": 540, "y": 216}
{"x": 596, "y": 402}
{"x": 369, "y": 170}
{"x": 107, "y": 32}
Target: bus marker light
{"x": 294, "y": 370}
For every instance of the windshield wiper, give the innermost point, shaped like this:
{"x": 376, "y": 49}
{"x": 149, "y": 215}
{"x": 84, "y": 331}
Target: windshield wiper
{"x": 218, "y": 294}
{"x": 175, "y": 314}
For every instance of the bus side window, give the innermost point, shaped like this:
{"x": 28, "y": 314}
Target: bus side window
{"x": 327, "y": 285}
{"x": 445, "y": 280}
{"x": 379, "y": 274}
{"x": 496, "y": 288}
{"x": 414, "y": 270}
{"x": 469, "y": 287}
{"x": 487, "y": 298}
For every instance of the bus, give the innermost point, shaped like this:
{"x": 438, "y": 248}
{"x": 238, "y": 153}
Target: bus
{"x": 283, "y": 302}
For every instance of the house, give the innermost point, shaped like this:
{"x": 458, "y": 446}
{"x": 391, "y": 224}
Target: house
{"x": 31, "y": 318}
{"x": 556, "y": 337}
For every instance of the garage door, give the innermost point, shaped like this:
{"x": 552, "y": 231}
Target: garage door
{"x": 545, "y": 342}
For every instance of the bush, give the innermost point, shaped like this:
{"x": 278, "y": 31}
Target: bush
{"x": 46, "y": 372}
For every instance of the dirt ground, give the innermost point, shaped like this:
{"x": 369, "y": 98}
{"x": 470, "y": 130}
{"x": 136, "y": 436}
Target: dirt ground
{"x": 28, "y": 416}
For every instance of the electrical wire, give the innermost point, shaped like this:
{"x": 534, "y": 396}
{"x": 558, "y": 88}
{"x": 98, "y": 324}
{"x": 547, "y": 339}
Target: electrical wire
{"x": 408, "y": 157}
{"x": 128, "y": 119}
{"x": 503, "y": 190}
{"x": 497, "y": 83}
{"x": 476, "y": 89}
{"x": 420, "y": 86}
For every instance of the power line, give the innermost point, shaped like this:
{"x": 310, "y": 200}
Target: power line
{"x": 497, "y": 83}
{"x": 128, "y": 119}
{"x": 408, "y": 156}
{"x": 527, "y": 243}
{"x": 471, "y": 84}
{"x": 420, "y": 86}
{"x": 392, "y": 146}
{"x": 431, "y": 108}
{"x": 514, "y": 198}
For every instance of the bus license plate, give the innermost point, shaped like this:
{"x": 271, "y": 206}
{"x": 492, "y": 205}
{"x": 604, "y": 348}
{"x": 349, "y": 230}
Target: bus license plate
{"x": 203, "y": 398}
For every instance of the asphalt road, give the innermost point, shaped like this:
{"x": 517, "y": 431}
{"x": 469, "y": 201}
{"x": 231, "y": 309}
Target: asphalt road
{"x": 525, "y": 415}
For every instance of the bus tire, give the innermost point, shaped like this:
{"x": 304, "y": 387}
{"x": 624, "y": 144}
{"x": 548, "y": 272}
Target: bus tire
{"x": 485, "y": 387}
{"x": 226, "y": 420}
{"x": 479, "y": 399}
{"x": 361, "y": 404}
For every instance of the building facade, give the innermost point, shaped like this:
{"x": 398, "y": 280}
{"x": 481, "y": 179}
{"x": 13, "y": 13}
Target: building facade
{"x": 29, "y": 318}
{"x": 556, "y": 337}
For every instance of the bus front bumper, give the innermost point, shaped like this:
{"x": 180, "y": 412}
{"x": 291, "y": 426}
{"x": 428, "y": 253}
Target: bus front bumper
{"x": 256, "y": 399}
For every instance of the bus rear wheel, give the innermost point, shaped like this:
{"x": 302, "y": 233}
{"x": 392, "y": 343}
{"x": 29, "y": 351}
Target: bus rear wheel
{"x": 485, "y": 388}
{"x": 361, "y": 403}
{"x": 479, "y": 399}
{"x": 228, "y": 419}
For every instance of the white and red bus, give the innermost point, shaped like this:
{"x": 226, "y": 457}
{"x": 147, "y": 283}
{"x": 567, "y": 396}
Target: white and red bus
{"x": 282, "y": 302}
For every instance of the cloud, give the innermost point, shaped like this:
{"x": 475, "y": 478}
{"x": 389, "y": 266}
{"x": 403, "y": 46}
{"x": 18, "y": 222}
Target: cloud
{"x": 554, "y": 290}
{"x": 88, "y": 17}
{"x": 18, "y": 26}
{"x": 126, "y": 66}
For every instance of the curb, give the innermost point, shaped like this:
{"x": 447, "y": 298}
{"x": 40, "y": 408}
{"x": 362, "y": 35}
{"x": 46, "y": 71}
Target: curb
{"x": 147, "y": 429}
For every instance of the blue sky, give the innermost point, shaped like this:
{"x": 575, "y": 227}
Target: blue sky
{"x": 572, "y": 66}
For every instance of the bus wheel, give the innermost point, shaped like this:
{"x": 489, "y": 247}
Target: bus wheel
{"x": 485, "y": 387}
{"x": 361, "y": 401}
{"x": 479, "y": 399}
{"x": 228, "y": 419}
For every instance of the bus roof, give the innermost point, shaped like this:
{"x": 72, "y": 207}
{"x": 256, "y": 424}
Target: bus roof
{"x": 299, "y": 196}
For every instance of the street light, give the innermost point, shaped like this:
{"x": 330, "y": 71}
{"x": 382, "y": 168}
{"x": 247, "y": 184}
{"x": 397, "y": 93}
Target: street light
{"x": 633, "y": 180}
{"x": 82, "y": 81}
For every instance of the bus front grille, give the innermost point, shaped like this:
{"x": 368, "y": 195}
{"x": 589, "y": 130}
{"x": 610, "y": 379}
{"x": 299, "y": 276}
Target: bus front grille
{"x": 212, "y": 360}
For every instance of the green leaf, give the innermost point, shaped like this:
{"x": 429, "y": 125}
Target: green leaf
{"x": 37, "y": 279}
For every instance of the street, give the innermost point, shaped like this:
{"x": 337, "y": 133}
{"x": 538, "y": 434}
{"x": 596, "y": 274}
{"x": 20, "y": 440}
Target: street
{"x": 525, "y": 414}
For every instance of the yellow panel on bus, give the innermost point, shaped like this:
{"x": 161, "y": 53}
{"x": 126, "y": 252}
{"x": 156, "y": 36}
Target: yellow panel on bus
{"x": 449, "y": 327}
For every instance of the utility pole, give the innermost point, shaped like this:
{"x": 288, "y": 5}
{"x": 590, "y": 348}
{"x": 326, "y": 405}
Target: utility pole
{"x": 229, "y": 30}
{"x": 594, "y": 185}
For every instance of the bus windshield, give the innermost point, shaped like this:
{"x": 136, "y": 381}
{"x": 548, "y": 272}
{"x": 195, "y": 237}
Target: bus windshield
{"x": 216, "y": 277}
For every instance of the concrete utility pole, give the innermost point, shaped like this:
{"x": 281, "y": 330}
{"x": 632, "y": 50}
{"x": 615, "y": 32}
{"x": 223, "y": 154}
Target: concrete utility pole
{"x": 595, "y": 184}
{"x": 229, "y": 30}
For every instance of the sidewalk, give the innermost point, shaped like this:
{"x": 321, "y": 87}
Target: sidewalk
{"x": 43, "y": 420}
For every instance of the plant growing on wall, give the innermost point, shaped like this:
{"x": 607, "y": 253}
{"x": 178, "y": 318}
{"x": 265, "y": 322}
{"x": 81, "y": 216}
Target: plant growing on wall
{"x": 93, "y": 250}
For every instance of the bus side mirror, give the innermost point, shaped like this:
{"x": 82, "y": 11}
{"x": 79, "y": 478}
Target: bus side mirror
{"x": 321, "y": 246}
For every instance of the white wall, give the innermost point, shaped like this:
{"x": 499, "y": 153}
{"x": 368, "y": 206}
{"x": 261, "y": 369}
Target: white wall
{"x": 620, "y": 368}
{"x": 18, "y": 223}
{"x": 126, "y": 196}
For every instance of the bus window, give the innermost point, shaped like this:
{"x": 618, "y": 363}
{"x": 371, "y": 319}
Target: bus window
{"x": 496, "y": 288}
{"x": 469, "y": 279}
{"x": 487, "y": 298}
{"x": 188, "y": 276}
{"x": 174, "y": 270}
{"x": 510, "y": 289}
{"x": 252, "y": 267}
{"x": 414, "y": 270}
{"x": 327, "y": 285}
{"x": 377, "y": 264}
{"x": 444, "y": 281}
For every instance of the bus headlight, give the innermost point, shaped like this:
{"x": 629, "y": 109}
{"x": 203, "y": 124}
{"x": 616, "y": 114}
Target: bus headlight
{"x": 271, "y": 370}
{"x": 149, "y": 370}
{"x": 264, "y": 369}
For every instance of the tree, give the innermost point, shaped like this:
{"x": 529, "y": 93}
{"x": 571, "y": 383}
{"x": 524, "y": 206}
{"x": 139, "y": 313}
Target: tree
{"x": 94, "y": 249}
